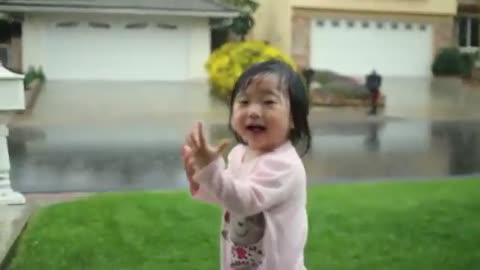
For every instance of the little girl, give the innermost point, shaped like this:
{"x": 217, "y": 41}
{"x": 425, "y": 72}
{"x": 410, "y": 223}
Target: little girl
{"x": 263, "y": 189}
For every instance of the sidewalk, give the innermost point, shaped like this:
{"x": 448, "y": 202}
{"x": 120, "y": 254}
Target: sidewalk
{"x": 12, "y": 222}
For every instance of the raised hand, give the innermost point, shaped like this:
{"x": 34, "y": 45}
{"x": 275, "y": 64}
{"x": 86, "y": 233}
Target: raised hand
{"x": 189, "y": 167}
{"x": 202, "y": 153}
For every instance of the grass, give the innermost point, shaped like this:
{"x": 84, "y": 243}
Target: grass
{"x": 414, "y": 225}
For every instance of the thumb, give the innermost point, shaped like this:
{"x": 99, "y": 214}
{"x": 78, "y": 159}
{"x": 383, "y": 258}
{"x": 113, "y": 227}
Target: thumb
{"x": 185, "y": 150}
{"x": 223, "y": 145}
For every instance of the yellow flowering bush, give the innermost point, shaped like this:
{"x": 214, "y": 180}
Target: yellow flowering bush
{"x": 226, "y": 64}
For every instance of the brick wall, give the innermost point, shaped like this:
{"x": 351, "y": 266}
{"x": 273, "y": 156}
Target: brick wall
{"x": 301, "y": 28}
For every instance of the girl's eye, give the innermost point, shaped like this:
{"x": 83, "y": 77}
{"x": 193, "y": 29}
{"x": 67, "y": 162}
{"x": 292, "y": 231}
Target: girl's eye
{"x": 243, "y": 102}
{"x": 269, "y": 102}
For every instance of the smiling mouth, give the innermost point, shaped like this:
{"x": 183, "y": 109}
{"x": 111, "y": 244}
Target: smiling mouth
{"x": 256, "y": 128}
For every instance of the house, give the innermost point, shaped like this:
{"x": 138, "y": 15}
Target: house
{"x": 467, "y": 26}
{"x": 396, "y": 37}
{"x": 135, "y": 40}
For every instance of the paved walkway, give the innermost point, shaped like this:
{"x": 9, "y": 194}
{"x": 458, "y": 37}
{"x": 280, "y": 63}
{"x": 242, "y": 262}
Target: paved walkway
{"x": 12, "y": 220}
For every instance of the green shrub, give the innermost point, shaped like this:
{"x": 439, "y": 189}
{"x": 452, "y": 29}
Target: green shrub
{"x": 33, "y": 74}
{"x": 41, "y": 74}
{"x": 449, "y": 62}
{"x": 227, "y": 63}
{"x": 468, "y": 60}
{"x": 29, "y": 76}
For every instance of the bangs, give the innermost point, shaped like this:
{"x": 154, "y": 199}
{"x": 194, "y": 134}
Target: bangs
{"x": 258, "y": 74}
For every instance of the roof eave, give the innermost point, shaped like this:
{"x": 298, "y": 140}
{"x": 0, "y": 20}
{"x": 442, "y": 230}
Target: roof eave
{"x": 125, "y": 11}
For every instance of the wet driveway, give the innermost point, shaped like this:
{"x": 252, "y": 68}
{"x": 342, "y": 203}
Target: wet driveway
{"x": 66, "y": 159}
{"x": 104, "y": 136}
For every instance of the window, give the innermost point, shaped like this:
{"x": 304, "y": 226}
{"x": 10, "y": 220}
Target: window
{"x": 379, "y": 25}
{"x": 136, "y": 26}
{"x": 394, "y": 25}
{"x": 423, "y": 27}
{"x": 408, "y": 26}
{"x": 99, "y": 25}
{"x": 4, "y": 55}
{"x": 320, "y": 23}
{"x": 67, "y": 24}
{"x": 9, "y": 30}
{"x": 467, "y": 32}
{"x": 5, "y": 33}
{"x": 335, "y": 23}
{"x": 365, "y": 24}
{"x": 167, "y": 26}
{"x": 351, "y": 24}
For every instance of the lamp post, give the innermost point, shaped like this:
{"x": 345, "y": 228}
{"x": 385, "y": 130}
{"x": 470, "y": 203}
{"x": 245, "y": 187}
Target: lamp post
{"x": 12, "y": 97}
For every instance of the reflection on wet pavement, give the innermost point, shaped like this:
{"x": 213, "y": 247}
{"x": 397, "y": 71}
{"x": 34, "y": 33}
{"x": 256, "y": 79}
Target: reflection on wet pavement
{"x": 60, "y": 159}
{"x": 102, "y": 136}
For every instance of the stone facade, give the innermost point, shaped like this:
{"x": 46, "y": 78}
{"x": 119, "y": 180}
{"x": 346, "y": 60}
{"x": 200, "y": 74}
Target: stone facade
{"x": 443, "y": 28}
{"x": 301, "y": 29}
{"x": 443, "y": 35}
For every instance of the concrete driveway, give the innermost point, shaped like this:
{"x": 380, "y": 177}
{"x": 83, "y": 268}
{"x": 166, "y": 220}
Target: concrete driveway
{"x": 102, "y": 136}
{"x": 120, "y": 103}
{"x": 432, "y": 99}
{"x": 177, "y": 103}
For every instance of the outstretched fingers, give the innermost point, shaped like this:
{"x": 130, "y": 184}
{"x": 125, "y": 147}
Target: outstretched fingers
{"x": 192, "y": 140}
{"x": 201, "y": 137}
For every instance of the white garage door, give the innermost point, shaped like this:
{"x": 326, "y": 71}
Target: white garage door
{"x": 115, "y": 50}
{"x": 357, "y": 47}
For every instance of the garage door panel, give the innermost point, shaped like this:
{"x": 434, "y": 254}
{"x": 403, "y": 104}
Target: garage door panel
{"x": 355, "y": 50}
{"x": 117, "y": 53}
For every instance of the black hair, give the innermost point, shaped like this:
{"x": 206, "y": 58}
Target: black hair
{"x": 297, "y": 93}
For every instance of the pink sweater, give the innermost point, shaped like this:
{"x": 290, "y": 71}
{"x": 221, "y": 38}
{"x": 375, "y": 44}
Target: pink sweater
{"x": 264, "y": 225}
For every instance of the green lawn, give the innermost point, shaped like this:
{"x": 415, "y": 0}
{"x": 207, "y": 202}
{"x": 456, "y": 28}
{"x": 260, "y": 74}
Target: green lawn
{"x": 404, "y": 226}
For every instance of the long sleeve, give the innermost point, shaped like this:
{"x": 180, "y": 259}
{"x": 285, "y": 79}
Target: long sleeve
{"x": 270, "y": 183}
{"x": 200, "y": 193}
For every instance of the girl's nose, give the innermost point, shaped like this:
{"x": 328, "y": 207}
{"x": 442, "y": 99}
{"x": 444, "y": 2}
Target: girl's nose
{"x": 254, "y": 111}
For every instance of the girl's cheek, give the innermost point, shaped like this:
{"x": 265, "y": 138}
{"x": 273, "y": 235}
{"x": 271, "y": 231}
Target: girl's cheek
{"x": 234, "y": 122}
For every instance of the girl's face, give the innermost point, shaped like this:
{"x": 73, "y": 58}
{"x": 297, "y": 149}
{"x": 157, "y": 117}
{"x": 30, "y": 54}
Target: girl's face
{"x": 261, "y": 114}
